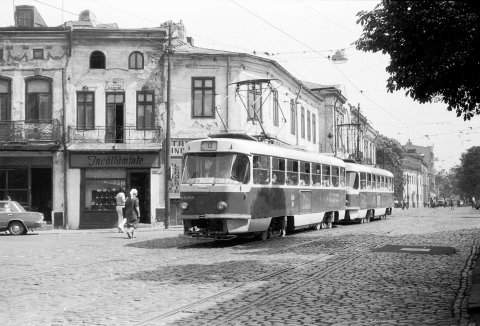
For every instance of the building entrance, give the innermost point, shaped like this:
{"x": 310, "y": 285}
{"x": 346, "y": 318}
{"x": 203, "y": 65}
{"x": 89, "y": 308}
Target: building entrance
{"x": 140, "y": 180}
{"x": 42, "y": 192}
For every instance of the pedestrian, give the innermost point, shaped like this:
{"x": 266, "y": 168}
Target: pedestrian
{"x": 132, "y": 213}
{"x": 120, "y": 198}
{"x": 473, "y": 202}
{"x": 403, "y": 204}
{"x": 8, "y": 198}
{"x": 452, "y": 204}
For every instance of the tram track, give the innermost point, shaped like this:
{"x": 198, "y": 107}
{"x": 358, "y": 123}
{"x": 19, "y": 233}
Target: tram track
{"x": 342, "y": 262}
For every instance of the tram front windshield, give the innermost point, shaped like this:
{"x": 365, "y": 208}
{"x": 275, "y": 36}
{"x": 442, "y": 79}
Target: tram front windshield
{"x": 216, "y": 168}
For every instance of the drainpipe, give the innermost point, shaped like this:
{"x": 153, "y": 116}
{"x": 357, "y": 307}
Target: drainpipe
{"x": 228, "y": 95}
{"x": 65, "y": 158}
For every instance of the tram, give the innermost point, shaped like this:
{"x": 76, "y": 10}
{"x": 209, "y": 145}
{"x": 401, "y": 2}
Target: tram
{"x": 369, "y": 192}
{"x": 236, "y": 186}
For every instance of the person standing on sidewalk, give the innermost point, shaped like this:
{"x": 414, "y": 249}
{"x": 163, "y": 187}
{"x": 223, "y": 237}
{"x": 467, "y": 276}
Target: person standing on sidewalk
{"x": 132, "y": 212}
{"x": 120, "y": 198}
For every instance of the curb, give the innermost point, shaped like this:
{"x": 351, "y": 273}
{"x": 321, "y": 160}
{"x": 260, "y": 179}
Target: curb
{"x": 140, "y": 228}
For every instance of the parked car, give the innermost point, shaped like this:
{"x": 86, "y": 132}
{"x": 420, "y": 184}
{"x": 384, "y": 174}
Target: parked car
{"x": 396, "y": 203}
{"x": 16, "y": 220}
{"x": 440, "y": 202}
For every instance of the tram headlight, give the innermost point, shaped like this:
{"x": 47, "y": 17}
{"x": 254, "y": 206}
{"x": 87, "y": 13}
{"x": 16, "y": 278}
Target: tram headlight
{"x": 183, "y": 205}
{"x": 221, "y": 205}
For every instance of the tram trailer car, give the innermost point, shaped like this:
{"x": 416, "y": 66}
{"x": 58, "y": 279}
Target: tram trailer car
{"x": 235, "y": 187}
{"x": 369, "y": 192}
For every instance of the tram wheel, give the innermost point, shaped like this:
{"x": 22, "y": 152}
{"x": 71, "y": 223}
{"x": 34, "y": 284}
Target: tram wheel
{"x": 264, "y": 235}
{"x": 318, "y": 226}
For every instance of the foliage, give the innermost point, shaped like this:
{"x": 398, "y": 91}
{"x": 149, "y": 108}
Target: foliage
{"x": 468, "y": 173}
{"x": 448, "y": 184}
{"x": 434, "y": 49}
{"x": 389, "y": 157}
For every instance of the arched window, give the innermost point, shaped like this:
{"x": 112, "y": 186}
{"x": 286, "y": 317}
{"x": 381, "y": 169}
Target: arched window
{"x": 97, "y": 60}
{"x": 39, "y": 99}
{"x": 135, "y": 60}
{"x": 5, "y": 98}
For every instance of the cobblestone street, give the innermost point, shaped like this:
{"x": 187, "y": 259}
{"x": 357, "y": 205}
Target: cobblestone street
{"x": 338, "y": 276}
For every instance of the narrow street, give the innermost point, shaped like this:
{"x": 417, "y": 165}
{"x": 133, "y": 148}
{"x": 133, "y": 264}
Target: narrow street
{"x": 412, "y": 269}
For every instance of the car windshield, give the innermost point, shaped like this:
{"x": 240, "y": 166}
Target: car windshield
{"x": 11, "y": 206}
{"x": 216, "y": 168}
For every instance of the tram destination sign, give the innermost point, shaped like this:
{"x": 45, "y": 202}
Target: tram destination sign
{"x": 114, "y": 160}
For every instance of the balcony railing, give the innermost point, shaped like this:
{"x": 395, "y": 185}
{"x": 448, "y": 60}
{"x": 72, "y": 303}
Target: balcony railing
{"x": 122, "y": 135}
{"x": 30, "y": 131}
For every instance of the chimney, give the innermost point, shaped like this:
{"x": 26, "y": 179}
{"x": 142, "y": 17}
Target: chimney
{"x": 88, "y": 16}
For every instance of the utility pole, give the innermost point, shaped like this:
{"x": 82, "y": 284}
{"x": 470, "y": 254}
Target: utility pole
{"x": 358, "y": 130}
{"x": 167, "y": 171}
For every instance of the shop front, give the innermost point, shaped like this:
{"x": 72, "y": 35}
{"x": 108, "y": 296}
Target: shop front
{"x": 103, "y": 175}
{"x": 28, "y": 180}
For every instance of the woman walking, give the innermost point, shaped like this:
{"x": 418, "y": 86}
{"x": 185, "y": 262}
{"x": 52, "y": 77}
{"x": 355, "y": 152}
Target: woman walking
{"x": 132, "y": 212}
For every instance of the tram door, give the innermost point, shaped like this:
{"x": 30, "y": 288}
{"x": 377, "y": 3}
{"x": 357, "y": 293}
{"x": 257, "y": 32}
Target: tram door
{"x": 140, "y": 180}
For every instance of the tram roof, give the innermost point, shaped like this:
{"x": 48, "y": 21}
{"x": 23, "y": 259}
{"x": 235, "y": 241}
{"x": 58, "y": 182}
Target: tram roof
{"x": 350, "y": 166}
{"x": 261, "y": 148}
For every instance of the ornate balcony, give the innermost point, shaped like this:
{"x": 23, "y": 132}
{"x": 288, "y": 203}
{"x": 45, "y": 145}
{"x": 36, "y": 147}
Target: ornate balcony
{"x": 118, "y": 135}
{"x": 30, "y": 134}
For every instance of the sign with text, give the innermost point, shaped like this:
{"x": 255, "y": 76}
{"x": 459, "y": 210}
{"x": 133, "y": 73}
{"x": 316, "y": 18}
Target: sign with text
{"x": 177, "y": 146}
{"x": 114, "y": 160}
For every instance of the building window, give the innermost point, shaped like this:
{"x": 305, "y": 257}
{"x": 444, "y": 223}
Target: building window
{"x": 293, "y": 117}
{"x": 39, "y": 99}
{"x": 203, "y": 97}
{"x": 5, "y": 99}
{"x": 314, "y": 128}
{"x": 24, "y": 18}
{"x": 85, "y": 110}
{"x": 135, "y": 60}
{"x": 97, "y": 60}
{"x": 254, "y": 102}
{"x": 275, "y": 108}
{"x": 309, "y": 127}
{"x": 145, "y": 111}
{"x": 38, "y": 53}
{"x": 302, "y": 122}
{"x": 1, "y": 54}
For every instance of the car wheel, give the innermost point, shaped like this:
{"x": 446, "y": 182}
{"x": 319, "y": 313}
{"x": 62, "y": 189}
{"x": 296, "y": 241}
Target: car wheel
{"x": 16, "y": 228}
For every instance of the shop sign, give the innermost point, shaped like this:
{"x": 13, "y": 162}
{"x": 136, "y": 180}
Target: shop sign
{"x": 114, "y": 160}
{"x": 177, "y": 146}
{"x": 114, "y": 86}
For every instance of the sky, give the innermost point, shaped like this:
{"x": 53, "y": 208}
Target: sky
{"x": 300, "y": 35}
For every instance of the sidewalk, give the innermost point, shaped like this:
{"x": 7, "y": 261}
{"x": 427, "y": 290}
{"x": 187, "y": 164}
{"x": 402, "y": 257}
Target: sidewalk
{"x": 142, "y": 227}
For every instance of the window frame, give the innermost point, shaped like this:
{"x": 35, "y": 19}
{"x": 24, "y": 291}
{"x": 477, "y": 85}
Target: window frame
{"x": 8, "y": 99}
{"x": 314, "y": 128}
{"x": 309, "y": 127}
{"x": 38, "y": 98}
{"x": 38, "y": 54}
{"x": 293, "y": 117}
{"x": 95, "y": 57}
{"x": 302, "y": 122}
{"x": 145, "y": 103}
{"x": 136, "y": 65}
{"x": 276, "y": 121}
{"x": 254, "y": 93}
{"x": 203, "y": 89}
{"x": 86, "y": 126}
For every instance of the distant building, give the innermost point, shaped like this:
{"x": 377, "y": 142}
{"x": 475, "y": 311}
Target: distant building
{"x": 427, "y": 155}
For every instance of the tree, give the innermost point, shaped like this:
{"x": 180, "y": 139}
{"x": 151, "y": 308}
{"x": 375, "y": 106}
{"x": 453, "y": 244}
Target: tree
{"x": 468, "y": 173}
{"x": 434, "y": 49}
{"x": 389, "y": 157}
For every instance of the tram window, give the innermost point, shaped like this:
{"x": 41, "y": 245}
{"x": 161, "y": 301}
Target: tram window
{"x": 342, "y": 177}
{"x": 261, "y": 169}
{"x": 335, "y": 176}
{"x": 241, "y": 169}
{"x": 278, "y": 171}
{"x": 379, "y": 183}
{"x": 382, "y": 180}
{"x": 363, "y": 180}
{"x": 326, "y": 175}
{"x": 352, "y": 180}
{"x": 369, "y": 181}
{"x": 316, "y": 175}
{"x": 304, "y": 173}
{"x": 292, "y": 172}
